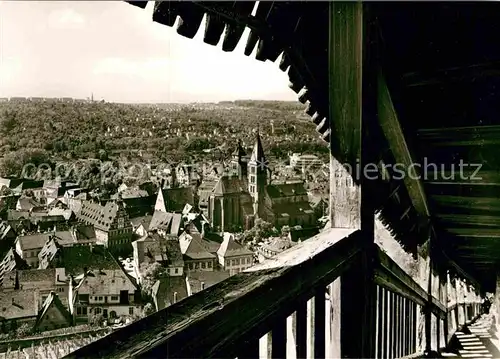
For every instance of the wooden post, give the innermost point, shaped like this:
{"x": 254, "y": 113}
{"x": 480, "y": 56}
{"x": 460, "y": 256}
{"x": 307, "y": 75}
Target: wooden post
{"x": 352, "y": 100}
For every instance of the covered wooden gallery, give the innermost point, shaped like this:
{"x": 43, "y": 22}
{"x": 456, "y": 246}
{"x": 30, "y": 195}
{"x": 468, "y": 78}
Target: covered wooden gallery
{"x": 408, "y": 86}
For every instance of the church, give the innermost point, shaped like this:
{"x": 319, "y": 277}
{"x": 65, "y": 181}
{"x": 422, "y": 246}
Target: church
{"x": 245, "y": 193}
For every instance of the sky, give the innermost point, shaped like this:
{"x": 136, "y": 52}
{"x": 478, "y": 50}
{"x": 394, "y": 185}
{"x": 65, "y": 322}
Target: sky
{"x": 115, "y": 51}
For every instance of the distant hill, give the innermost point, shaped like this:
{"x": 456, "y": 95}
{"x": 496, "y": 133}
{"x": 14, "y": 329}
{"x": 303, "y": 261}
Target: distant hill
{"x": 86, "y": 129}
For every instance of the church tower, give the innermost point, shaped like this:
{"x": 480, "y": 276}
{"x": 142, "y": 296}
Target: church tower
{"x": 238, "y": 162}
{"x": 257, "y": 175}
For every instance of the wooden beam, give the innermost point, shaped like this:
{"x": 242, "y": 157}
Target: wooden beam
{"x": 389, "y": 275}
{"x": 465, "y": 219}
{"x": 461, "y": 176}
{"x": 460, "y": 136}
{"x": 452, "y": 74}
{"x": 219, "y": 311}
{"x": 459, "y": 270}
{"x": 352, "y": 109}
{"x": 466, "y": 202}
{"x": 393, "y": 132}
{"x": 492, "y": 233}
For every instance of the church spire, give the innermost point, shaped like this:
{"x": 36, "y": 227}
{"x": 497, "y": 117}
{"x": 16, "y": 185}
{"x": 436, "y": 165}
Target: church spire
{"x": 258, "y": 156}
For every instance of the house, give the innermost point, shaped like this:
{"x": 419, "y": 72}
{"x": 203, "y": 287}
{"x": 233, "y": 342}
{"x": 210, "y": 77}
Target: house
{"x": 169, "y": 290}
{"x": 234, "y": 257}
{"x": 17, "y": 308}
{"x": 111, "y": 222}
{"x": 198, "y": 253}
{"x": 11, "y": 261}
{"x": 201, "y": 280}
{"x": 44, "y": 281}
{"x": 7, "y": 237}
{"x": 29, "y": 204}
{"x": 53, "y": 314}
{"x": 154, "y": 248}
{"x": 29, "y": 247}
{"x": 299, "y": 234}
{"x": 174, "y": 199}
{"x": 167, "y": 223}
{"x": 98, "y": 285}
{"x": 140, "y": 225}
{"x": 273, "y": 246}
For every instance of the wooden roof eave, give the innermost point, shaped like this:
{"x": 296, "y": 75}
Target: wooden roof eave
{"x": 274, "y": 30}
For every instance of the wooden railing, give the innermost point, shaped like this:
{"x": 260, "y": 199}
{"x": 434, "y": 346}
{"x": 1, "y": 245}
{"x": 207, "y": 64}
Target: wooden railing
{"x": 289, "y": 307}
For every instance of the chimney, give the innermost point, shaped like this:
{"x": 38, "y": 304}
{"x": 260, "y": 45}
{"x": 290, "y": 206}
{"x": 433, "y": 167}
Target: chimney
{"x": 202, "y": 285}
{"x": 175, "y": 297}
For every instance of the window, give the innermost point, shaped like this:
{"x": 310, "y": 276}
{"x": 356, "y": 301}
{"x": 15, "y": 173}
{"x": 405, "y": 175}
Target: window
{"x": 209, "y": 264}
{"x": 203, "y": 265}
{"x": 114, "y": 297}
{"x": 177, "y": 270}
{"x": 131, "y": 310}
{"x": 60, "y": 289}
{"x": 252, "y": 179}
{"x": 98, "y": 311}
{"x": 190, "y": 265}
{"x": 237, "y": 261}
{"x": 248, "y": 260}
{"x": 196, "y": 266}
{"x": 252, "y": 169}
{"x": 100, "y": 298}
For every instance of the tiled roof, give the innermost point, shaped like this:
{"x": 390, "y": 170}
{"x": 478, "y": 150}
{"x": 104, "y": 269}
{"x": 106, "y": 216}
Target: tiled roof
{"x": 303, "y": 234}
{"x": 47, "y": 254}
{"x": 229, "y": 248}
{"x": 170, "y": 222}
{"x": 53, "y": 300}
{"x": 18, "y": 304}
{"x": 144, "y": 220}
{"x": 228, "y": 185}
{"x": 66, "y": 213}
{"x": 102, "y": 217}
{"x": 207, "y": 277}
{"x": 76, "y": 259}
{"x": 286, "y": 190}
{"x": 28, "y": 203}
{"x": 292, "y": 209}
{"x": 11, "y": 261}
{"x": 176, "y": 198}
{"x": 193, "y": 248}
{"x": 174, "y": 254}
{"x": 165, "y": 288}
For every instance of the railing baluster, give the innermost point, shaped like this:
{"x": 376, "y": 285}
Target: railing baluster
{"x": 301, "y": 330}
{"x": 251, "y": 350}
{"x": 407, "y": 327}
{"x": 319, "y": 324}
{"x": 392, "y": 325}
{"x": 278, "y": 340}
{"x": 264, "y": 347}
{"x": 380, "y": 321}
{"x": 387, "y": 335}
{"x": 397, "y": 327}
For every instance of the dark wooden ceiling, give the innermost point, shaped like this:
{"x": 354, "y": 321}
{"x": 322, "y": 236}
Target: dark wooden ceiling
{"x": 443, "y": 60}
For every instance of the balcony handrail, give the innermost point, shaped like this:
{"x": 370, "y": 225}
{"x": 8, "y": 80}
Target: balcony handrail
{"x": 234, "y": 313}
{"x": 389, "y": 275}
{"x": 243, "y": 306}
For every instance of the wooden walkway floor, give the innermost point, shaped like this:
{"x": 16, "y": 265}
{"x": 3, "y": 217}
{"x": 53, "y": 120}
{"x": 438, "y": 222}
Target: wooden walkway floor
{"x": 478, "y": 341}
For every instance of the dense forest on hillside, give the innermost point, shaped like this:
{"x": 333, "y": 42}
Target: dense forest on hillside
{"x": 37, "y": 131}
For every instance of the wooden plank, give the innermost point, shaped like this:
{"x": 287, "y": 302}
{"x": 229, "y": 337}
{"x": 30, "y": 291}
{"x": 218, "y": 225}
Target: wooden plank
{"x": 452, "y": 74}
{"x": 278, "y": 340}
{"x": 478, "y": 232}
{"x": 301, "y": 330}
{"x": 465, "y": 219}
{"x": 393, "y": 132}
{"x": 391, "y": 276}
{"x": 268, "y": 295}
{"x": 319, "y": 324}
